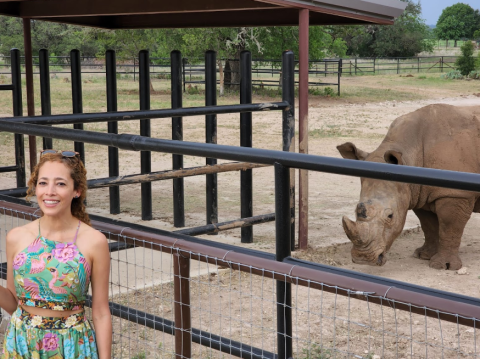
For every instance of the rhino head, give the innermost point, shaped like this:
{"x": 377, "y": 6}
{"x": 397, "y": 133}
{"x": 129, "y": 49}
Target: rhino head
{"x": 381, "y": 211}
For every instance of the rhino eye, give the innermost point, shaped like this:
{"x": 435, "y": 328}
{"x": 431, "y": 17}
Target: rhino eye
{"x": 390, "y": 216}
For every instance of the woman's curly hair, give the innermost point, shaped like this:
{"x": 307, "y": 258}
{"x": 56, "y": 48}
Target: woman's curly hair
{"x": 78, "y": 174}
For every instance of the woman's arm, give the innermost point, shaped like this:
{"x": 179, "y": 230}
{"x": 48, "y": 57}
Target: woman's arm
{"x": 100, "y": 283}
{"x": 8, "y": 299}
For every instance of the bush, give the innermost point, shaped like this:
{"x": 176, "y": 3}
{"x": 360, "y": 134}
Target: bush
{"x": 466, "y": 62}
{"x": 474, "y": 75}
{"x": 453, "y": 75}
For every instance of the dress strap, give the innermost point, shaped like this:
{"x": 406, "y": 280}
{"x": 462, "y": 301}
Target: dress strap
{"x": 39, "y": 235}
{"x": 76, "y": 234}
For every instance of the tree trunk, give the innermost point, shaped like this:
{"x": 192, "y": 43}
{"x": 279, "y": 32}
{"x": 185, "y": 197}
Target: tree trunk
{"x": 152, "y": 90}
{"x": 222, "y": 77}
{"x": 234, "y": 71}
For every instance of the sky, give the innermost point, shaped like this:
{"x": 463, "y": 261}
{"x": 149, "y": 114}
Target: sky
{"x": 432, "y": 9}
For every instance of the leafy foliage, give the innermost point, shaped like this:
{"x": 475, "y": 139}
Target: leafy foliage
{"x": 407, "y": 37}
{"x": 453, "y": 75}
{"x": 466, "y": 62}
{"x": 457, "y": 21}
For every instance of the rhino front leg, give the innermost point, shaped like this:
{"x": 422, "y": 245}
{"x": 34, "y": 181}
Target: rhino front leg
{"x": 429, "y": 223}
{"x": 453, "y": 214}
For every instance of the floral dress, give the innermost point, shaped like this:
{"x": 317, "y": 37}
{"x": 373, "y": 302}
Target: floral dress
{"x": 51, "y": 275}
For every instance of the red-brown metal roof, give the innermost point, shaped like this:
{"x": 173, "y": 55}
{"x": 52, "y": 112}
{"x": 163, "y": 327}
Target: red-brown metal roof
{"x": 128, "y": 14}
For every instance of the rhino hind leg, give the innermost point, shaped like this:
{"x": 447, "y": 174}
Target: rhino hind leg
{"x": 453, "y": 214}
{"x": 429, "y": 223}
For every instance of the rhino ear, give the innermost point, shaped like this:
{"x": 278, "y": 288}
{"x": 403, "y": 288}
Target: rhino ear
{"x": 394, "y": 157}
{"x": 349, "y": 151}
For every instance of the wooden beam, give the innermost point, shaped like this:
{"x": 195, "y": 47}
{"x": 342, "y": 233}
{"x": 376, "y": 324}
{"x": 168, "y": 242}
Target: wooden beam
{"x": 275, "y": 17}
{"x": 70, "y": 8}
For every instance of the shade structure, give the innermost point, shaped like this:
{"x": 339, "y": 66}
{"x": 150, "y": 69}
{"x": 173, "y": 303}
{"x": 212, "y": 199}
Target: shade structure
{"x": 142, "y": 14}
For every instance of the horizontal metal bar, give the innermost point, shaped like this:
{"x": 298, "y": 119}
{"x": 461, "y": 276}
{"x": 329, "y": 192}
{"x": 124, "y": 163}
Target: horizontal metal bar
{"x": 382, "y": 171}
{"x": 147, "y": 114}
{"x": 8, "y": 169}
{"x": 6, "y": 87}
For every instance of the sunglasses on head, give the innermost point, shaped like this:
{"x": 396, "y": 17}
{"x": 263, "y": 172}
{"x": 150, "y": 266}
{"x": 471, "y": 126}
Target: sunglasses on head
{"x": 64, "y": 153}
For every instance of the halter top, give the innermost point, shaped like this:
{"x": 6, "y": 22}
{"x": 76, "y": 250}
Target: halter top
{"x": 51, "y": 275}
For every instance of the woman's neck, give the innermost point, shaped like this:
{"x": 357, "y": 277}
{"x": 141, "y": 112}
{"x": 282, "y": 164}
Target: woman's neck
{"x": 51, "y": 227}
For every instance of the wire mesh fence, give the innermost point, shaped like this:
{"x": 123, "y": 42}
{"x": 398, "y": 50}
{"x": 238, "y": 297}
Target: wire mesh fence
{"x": 233, "y": 309}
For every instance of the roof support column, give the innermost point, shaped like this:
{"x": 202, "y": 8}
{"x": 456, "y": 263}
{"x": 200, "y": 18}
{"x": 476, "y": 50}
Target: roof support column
{"x": 303, "y": 126}
{"x": 27, "y": 42}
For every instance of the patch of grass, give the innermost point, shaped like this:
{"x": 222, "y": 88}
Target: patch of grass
{"x": 379, "y": 94}
{"x": 140, "y": 355}
{"x": 316, "y": 351}
{"x": 330, "y": 131}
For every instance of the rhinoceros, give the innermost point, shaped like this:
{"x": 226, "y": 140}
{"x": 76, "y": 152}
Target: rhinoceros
{"x": 436, "y": 136}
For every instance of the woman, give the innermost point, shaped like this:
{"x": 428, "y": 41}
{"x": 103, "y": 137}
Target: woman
{"x": 51, "y": 262}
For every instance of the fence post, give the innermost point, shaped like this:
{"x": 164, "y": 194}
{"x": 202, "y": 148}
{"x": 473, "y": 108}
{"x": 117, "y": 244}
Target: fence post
{"x": 134, "y": 70}
{"x": 246, "y": 176}
{"x": 339, "y": 74}
{"x": 374, "y": 62}
{"x": 177, "y": 135}
{"x": 45, "y": 100}
{"x": 183, "y": 323}
{"x": 398, "y": 66}
{"x": 77, "y": 102}
{"x": 145, "y": 156}
{"x": 113, "y": 164}
{"x": 184, "y": 62}
{"x": 211, "y": 133}
{"x": 418, "y": 64}
{"x": 441, "y": 64}
{"x": 18, "y": 111}
{"x": 282, "y": 251}
{"x": 355, "y": 65}
{"x": 288, "y": 130}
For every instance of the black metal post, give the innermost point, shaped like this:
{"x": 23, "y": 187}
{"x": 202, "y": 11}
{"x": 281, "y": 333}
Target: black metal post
{"x": 288, "y": 131}
{"x": 282, "y": 251}
{"x": 246, "y": 177}
{"x": 177, "y": 134}
{"x": 355, "y": 65}
{"x": 211, "y": 133}
{"x": 398, "y": 65}
{"x": 46, "y": 103}
{"x": 18, "y": 111}
{"x": 77, "y": 104}
{"x": 113, "y": 163}
{"x": 145, "y": 156}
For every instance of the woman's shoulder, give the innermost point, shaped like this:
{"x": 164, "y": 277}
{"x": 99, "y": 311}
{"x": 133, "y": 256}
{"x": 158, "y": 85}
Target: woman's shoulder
{"x": 26, "y": 231}
{"x": 92, "y": 235}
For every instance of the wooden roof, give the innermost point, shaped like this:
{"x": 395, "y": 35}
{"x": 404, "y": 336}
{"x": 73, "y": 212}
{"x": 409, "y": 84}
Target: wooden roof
{"x": 136, "y": 14}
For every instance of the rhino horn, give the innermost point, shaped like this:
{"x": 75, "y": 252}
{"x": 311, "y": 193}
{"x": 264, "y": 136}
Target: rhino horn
{"x": 351, "y": 230}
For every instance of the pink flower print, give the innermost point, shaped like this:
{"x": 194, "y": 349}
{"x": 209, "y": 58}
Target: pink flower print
{"x": 50, "y": 342}
{"x": 19, "y": 260}
{"x": 65, "y": 252}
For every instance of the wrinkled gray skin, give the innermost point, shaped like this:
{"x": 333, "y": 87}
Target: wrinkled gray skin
{"x": 435, "y": 136}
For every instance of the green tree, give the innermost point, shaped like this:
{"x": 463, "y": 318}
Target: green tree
{"x": 457, "y": 21}
{"x": 408, "y": 36}
{"x": 466, "y": 62}
{"x": 59, "y": 39}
